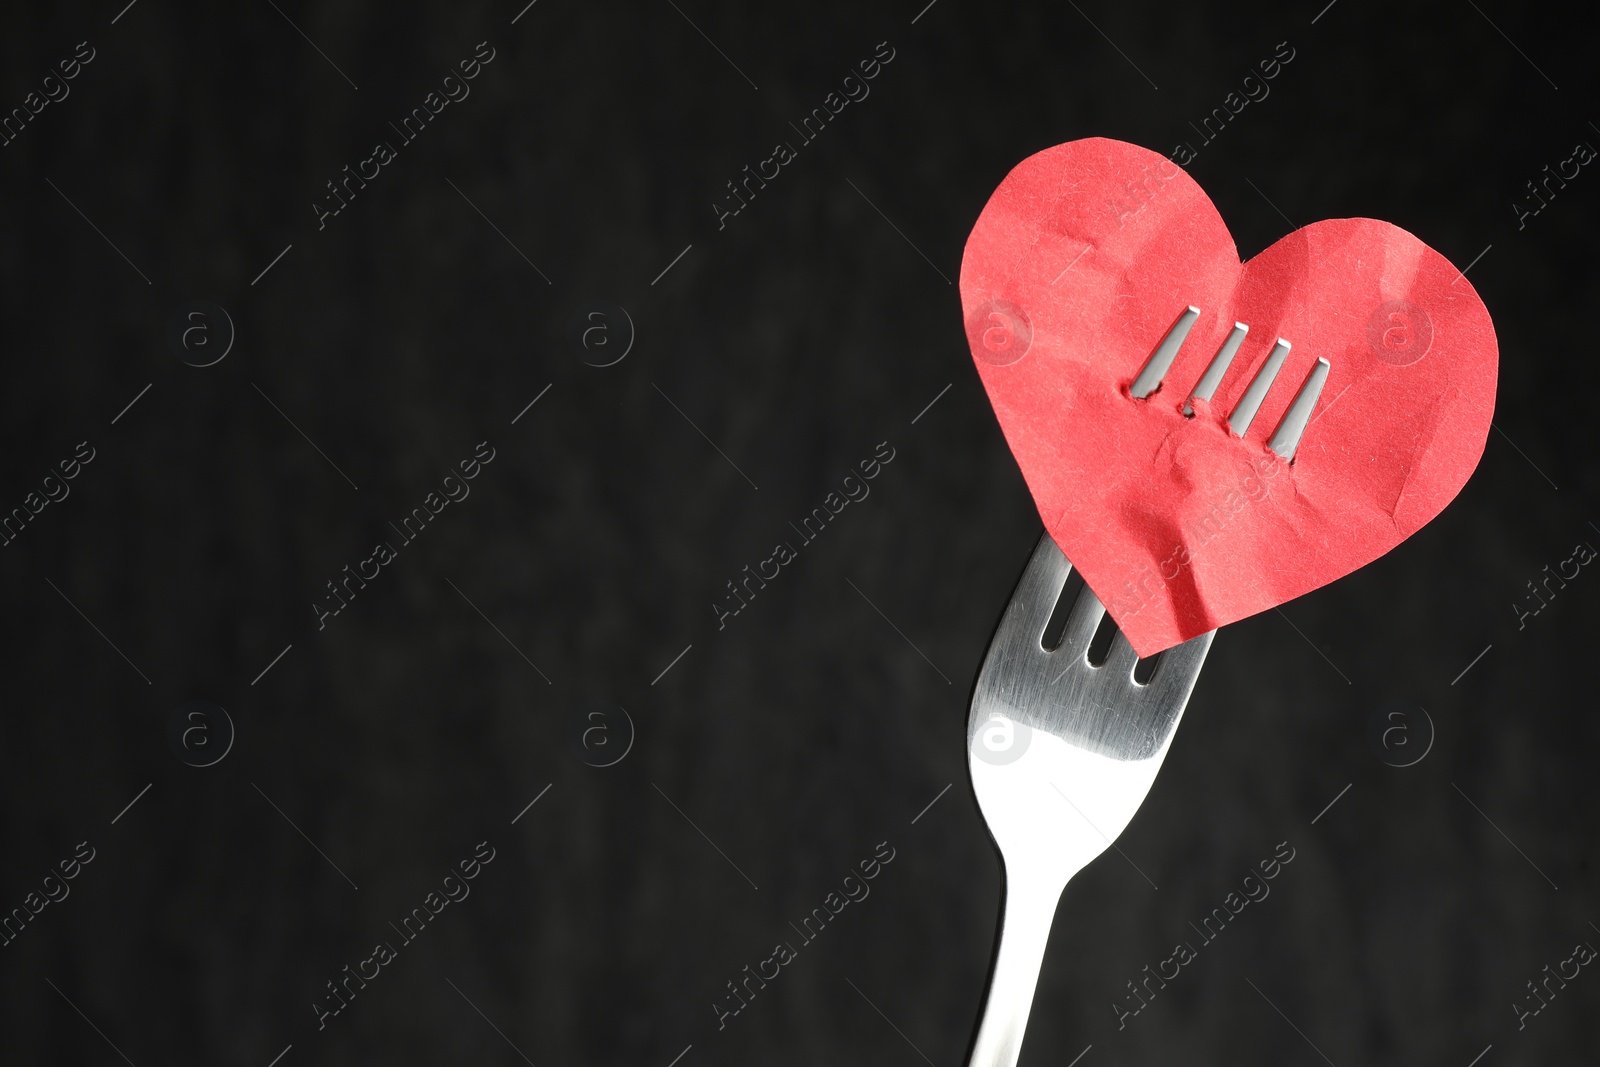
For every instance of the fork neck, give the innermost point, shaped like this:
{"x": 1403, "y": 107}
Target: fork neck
{"x": 1026, "y": 915}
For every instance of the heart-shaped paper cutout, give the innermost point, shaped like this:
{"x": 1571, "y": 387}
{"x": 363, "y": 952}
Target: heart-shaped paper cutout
{"x": 1081, "y": 264}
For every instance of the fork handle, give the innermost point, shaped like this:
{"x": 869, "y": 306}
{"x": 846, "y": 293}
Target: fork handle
{"x": 1026, "y": 915}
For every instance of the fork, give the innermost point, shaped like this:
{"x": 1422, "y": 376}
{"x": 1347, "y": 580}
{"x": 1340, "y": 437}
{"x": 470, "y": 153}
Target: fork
{"x": 1061, "y": 754}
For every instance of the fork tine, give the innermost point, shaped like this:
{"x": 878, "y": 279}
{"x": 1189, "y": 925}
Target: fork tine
{"x": 1287, "y": 437}
{"x": 1122, "y": 659}
{"x": 1081, "y": 624}
{"x": 1207, "y": 386}
{"x": 1183, "y": 662}
{"x": 1160, "y": 361}
{"x": 1037, "y": 592}
{"x": 1245, "y": 411}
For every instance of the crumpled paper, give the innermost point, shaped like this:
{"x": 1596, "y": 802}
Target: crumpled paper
{"x": 1081, "y": 262}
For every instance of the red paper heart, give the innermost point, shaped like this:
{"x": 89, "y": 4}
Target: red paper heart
{"x": 1082, "y": 261}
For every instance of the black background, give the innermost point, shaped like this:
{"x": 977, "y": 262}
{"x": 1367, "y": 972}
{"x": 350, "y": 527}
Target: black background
{"x": 797, "y": 338}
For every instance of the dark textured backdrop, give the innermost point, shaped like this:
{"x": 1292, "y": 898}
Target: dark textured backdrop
{"x": 780, "y": 751}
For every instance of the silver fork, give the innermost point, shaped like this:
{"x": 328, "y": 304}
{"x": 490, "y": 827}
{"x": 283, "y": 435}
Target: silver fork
{"x": 1061, "y": 754}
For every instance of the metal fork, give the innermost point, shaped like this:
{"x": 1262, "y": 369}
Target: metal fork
{"x": 1061, "y": 754}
